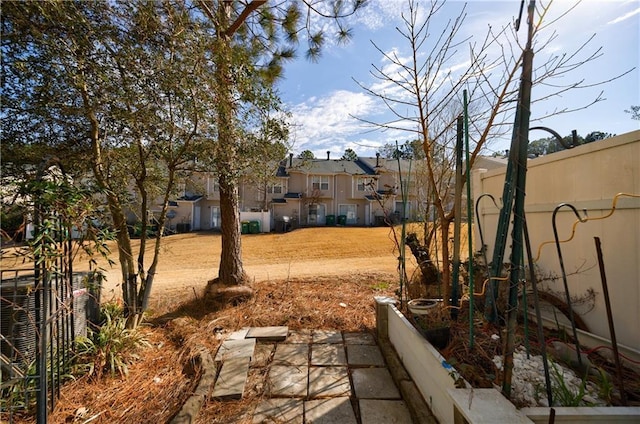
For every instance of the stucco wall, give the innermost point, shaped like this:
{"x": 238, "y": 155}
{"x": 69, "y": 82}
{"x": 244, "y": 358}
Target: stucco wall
{"x": 588, "y": 177}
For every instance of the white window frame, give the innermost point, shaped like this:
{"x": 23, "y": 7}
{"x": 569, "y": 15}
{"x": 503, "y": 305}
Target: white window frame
{"x": 366, "y": 184}
{"x": 275, "y": 188}
{"x": 320, "y": 182}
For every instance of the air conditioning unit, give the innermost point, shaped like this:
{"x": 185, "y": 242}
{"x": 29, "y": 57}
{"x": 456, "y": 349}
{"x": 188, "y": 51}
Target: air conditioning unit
{"x": 18, "y": 314}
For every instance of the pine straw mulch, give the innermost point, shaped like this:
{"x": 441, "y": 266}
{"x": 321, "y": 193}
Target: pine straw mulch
{"x": 164, "y": 376}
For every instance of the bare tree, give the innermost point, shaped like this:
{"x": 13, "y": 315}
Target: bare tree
{"x": 424, "y": 93}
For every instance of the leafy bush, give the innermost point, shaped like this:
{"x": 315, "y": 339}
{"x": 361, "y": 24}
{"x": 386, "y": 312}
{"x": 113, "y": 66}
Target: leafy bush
{"x": 110, "y": 348}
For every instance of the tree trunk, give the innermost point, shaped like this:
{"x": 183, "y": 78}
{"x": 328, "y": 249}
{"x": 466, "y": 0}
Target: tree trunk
{"x": 125, "y": 252}
{"x": 422, "y": 254}
{"x": 231, "y": 271}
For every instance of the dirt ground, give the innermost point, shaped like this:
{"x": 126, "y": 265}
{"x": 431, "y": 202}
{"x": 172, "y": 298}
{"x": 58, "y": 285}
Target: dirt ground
{"x": 189, "y": 260}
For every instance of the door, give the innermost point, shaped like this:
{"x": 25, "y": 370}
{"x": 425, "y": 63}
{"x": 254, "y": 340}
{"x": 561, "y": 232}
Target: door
{"x": 350, "y": 212}
{"x": 317, "y": 214}
{"x": 196, "y": 218}
{"x": 215, "y": 217}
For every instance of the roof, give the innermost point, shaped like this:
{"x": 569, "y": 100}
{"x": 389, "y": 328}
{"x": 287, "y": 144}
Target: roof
{"x": 388, "y": 165}
{"x": 327, "y": 166}
{"x": 193, "y": 198}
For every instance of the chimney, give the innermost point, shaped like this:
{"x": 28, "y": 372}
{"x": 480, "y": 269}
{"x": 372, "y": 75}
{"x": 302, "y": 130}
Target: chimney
{"x": 290, "y": 160}
{"x": 328, "y": 154}
{"x": 377, "y": 159}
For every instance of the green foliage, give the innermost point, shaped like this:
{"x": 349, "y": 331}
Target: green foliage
{"x": 110, "y": 348}
{"x": 605, "y": 386}
{"x": 563, "y": 395}
{"x": 408, "y": 150}
{"x": 14, "y": 395}
{"x": 635, "y": 112}
{"x": 548, "y": 145}
{"x": 306, "y": 155}
{"x": 349, "y": 154}
{"x": 381, "y": 285}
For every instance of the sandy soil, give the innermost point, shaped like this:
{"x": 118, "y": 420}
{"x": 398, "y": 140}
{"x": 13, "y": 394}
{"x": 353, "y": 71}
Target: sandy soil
{"x": 190, "y": 260}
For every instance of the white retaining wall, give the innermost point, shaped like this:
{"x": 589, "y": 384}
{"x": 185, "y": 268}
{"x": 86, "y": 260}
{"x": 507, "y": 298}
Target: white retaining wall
{"x": 588, "y": 177}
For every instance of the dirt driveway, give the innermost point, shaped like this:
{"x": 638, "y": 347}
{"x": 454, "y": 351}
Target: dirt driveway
{"x": 190, "y": 260}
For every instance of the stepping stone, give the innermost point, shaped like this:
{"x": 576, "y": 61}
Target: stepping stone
{"x": 262, "y": 355}
{"x": 288, "y": 381}
{"x": 374, "y": 383}
{"x": 329, "y": 382}
{"x": 233, "y": 375}
{"x": 384, "y": 411}
{"x": 327, "y": 336}
{"x": 235, "y": 349}
{"x": 328, "y": 355}
{"x": 365, "y": 356}
{"x": 279, "y": 410}
{"x": 301, "y": 336}
{"x": 268, "y": 334}
{"x": 359, "y": 339}
{"x": 329, "y": 411}
{"x": 238, "y": 335}
{"x": 291, "y": 354}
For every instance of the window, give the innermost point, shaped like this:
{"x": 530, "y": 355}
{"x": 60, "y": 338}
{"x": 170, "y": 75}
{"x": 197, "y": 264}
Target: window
{"x": 320, "y": 182}
{"x": 275, "y": 188}
{"x": 212, "y": 185}
{"x": 366, "y": 184}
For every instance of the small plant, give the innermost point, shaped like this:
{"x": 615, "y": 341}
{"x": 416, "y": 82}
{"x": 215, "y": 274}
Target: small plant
{"x": 605, "y": 386}
{"x": 382, "y": 285}
{"x": 562, "y": 393}
{"x": 19, "y": 393}
{"x": 109, "y": 348}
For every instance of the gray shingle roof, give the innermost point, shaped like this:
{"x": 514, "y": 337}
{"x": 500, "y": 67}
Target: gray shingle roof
{"x": 324, "y": 166}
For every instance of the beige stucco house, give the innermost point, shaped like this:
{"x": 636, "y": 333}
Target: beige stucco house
{"x": 314, "y": 192}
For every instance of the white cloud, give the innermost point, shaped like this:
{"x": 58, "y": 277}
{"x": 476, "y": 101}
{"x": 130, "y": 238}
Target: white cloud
{"x": 377, "y": 14}
{"x": 322, "y": 123}
{"x": 624, "y": 17}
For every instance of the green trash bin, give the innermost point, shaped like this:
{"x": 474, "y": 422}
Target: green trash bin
{"x": 342, "y": 219}
{"x": 254, "y": 227}
{"x": 331, "y": 220}
{"x": 244, "y": 227}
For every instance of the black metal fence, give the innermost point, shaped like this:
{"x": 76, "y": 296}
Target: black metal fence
{"x": 40, "y": 319}
{"x": 42, "y": 310}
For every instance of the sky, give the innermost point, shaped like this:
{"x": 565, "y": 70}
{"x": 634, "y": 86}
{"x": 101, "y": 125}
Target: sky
{"x": 324, "y": 99}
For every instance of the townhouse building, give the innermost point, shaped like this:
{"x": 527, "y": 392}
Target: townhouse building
{"x": 308, "y": 192}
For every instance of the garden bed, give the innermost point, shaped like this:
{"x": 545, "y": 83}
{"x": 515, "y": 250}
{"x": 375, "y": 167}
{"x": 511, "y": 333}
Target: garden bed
{"x": 447, "y": 391}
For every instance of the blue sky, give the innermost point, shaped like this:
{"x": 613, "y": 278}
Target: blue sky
{"x": 322, "y": 97}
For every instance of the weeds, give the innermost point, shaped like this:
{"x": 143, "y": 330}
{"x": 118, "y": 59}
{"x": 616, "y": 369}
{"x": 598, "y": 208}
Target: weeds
{"x": 110, "y": 348}
{"x": 563, "y": 395}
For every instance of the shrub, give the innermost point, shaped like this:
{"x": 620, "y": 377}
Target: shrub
{"x": 110, "y": 348}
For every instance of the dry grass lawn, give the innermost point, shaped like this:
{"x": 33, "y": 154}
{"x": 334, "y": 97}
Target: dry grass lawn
{"x": 189, "y": 260}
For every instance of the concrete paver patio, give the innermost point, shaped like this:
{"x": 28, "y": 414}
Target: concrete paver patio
{"x": 315, "y": 377}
